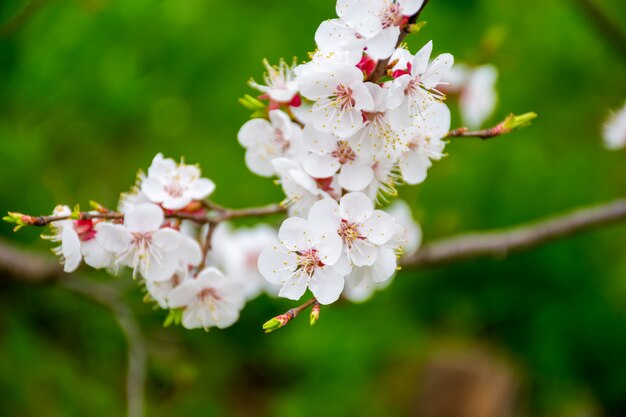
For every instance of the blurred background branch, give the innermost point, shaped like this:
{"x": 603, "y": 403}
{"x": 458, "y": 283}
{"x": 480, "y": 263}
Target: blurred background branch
{"x": 604, "y": 25}
{"x": 502, "y": 242}
{"x": 111, "y": 298}
{"x": 22, "y": 17}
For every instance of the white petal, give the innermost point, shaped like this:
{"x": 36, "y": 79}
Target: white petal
{"x": 160, "y": 269}
{"x": 202, "y": 188}
{"x": 326, "y": 285}
{"x": 383, "y": 44}
{"x": 361, "y": 14}
{"x": 113, "y": 237}
{"x": 259, "y": 163}
{"x": 438, "y": 69}
{"x": 420, "y": 61}
{"x": 276, "y": 265}
{"x": 144, "y": 218}
{"x": 410, "y": 7}
{"x": 177, "y": 203}
{"x": 379, "y": 228}
{"x": 324, "y": 216}
{"x": 318, "y": 142}
{"x": 363, "y": 253}
{"x": 154, "y": 190}
{"x": 329, "y": 247}
{"x": 184, "y": 294}
{"x": 320, "y": 166}
{"x": 355, "y": 207}
{"x": 70, "y": 249}
{"x": 386, "y": 265}
{"x": 355, "y": 176}
{"x": 414, "y": 167}
{"x": 95, "y": 255}
{"x": 255, "y": 131}
{"x": 295, "y": 234}
{"x": 294, "y": 287}
{"x": 166, "y": 239}
{"x": 189, "y": 251}
{"x": 363, "y": 99}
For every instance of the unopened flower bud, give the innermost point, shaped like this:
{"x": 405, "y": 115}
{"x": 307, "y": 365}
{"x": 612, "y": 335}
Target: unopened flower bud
{"x": 276, "y": 323}
{"x": 315, "y": 314}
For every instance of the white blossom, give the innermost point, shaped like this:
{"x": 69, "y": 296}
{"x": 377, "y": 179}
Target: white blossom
{"x": 303, "y": 259}
{"x": 280, "y": 84}
{"x": 209, "y": 300}
{"x": 416, "y": 88}
{"x": 267, "y": 140}
{"x": 174, "y": 185}
{"x": 615, "y": 130}
{"x": 330, "y": 154}
{"x": 477, "y": 92}
{"x": 339, "y": 96}
{"x": 378, "y": 21}
{"x": 77, "y": 242}
{"x": 301, "y": 190}
{"x": 361, "y": 228}
{"x": 423, "y": 143}
{"x": 143, "y": 245}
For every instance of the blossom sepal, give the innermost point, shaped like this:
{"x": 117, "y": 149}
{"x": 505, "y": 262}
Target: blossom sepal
{"x": 174, "y": 316}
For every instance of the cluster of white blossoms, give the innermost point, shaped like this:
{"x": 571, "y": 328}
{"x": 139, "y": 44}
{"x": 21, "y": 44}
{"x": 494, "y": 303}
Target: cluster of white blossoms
{"x": 154, "y": 234}
{"x": 339, "y": 133}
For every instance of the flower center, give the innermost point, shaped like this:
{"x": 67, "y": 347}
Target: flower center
{"x": 391, "y": 16}
{"x": 413, "y": 86}
{"x": 349, "y": 232}
{"x": 142, "y": 241}
{"x": 309, "y": 260}
{"x": 209, "y": 294}
{"x": 175, "y": 189}
{"x": 343, "y": 97}
{"x": 280, "y": 140}
{"x": 344, "y": 153}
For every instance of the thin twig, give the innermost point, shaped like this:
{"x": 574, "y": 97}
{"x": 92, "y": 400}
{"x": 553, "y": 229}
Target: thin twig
{"x": 500, "y": 243}
{"x": 219, "y": 215}
{"x": 137, "y": 357}
{"x": 484, "y": 134}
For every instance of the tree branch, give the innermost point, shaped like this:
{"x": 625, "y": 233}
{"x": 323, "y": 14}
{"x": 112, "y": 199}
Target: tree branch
{"x": 22, "y": 265}
{"x": 502, "y": 242}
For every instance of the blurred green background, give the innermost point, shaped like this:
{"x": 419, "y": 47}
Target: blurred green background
{"x": 91, "y": 90}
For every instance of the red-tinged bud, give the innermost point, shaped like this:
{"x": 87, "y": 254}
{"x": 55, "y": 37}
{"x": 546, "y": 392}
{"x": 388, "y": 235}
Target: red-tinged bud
{"x": 296, "y": 101}
{"x": 276, "y": 323}
{"x": 367, "y": 65}
{"x": 84, "y": 229}
{"x": 315, "y": 313}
